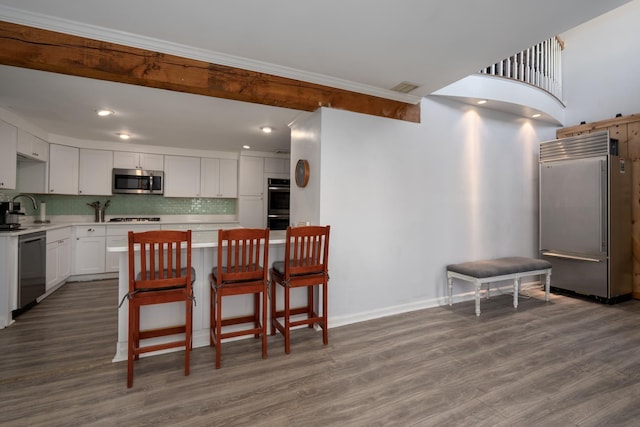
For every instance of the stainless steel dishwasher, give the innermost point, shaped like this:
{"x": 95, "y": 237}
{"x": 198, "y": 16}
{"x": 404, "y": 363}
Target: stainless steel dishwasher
{"x": 32, "y": 268}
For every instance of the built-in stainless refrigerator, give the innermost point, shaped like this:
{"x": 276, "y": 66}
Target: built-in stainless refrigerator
{"x": 585, "y": 216}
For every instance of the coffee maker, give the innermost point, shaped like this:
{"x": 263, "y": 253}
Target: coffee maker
{"x": 9, "y": 212}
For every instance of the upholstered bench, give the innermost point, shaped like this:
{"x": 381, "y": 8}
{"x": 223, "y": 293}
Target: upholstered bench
{"x": 494, "y": 270}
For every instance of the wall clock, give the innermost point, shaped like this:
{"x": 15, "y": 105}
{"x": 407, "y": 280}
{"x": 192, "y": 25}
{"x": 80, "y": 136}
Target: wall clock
{"x": 302, "y": 173}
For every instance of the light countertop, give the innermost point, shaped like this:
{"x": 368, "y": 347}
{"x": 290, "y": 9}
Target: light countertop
{"x": 180, "y": 223}
{"x": 200, "y": 239}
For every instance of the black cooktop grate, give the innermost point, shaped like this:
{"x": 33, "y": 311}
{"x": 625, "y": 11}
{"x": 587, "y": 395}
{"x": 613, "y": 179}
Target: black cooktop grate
{"x": 137, "y": 219}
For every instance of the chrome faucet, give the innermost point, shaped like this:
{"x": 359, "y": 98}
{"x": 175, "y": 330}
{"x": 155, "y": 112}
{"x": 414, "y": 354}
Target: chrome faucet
{"x": 33, "y": 200}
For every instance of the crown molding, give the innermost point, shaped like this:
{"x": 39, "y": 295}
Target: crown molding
{"x": 52, "y": 23}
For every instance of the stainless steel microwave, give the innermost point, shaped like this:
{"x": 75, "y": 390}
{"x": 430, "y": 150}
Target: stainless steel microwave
{"x": 137, "y": 181}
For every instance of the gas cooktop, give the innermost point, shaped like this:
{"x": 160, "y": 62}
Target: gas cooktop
{"x": 139, "y": 219}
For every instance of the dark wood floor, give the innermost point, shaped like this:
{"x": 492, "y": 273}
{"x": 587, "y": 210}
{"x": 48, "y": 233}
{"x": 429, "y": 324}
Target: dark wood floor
{"x": 568, "y": 362}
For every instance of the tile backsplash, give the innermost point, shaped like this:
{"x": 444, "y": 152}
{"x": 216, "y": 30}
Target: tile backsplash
{"x": 128, "y": 204}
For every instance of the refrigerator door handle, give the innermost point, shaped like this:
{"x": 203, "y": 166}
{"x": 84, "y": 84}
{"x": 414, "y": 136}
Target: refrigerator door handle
{"x": 603, "y": 205}
{"x": 579, "y": 258}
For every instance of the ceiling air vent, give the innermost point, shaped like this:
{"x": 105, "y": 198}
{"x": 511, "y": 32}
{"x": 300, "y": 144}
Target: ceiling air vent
{"x": 405, "y": 87}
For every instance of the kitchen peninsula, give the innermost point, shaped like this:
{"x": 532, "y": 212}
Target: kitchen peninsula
{"x": 204, "y": 253}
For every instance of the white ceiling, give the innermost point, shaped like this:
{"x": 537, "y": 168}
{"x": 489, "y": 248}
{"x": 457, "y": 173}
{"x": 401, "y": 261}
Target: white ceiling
{"x": 367, "y": 46}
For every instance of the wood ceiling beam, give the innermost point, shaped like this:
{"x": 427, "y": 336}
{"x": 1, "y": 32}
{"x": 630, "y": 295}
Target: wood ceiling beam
{"x": 45, "y": 50}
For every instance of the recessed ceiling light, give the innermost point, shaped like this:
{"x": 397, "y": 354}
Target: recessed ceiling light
{"x": 123, "y": 135}
{"x": 104, "y": 113}
{"x": 536, "y": 115}
{"x": 482, "y": 101}
{"x": 246, "y": 147}
{"x": 266, "y": 129}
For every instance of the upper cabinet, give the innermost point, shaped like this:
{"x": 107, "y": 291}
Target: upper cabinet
{"x": 95, "y": 172}
{"x": 276, "y": 165}
{"x": 218, "y": 177}
{"x": 63, "y": 169}
{"x": 32, "y": 176}
{"x": 251, "y": 176}
{"x": 32, "y": 147}
{"x": 8, "y": 144}
{"x": 152, "y": 162}
{"x": 181, "y": 176}
{"x": 131, "y": 160}
{"x": 200, "y": 177}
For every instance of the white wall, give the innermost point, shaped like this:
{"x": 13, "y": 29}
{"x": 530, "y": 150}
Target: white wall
{"x": 600, "y": 66}
{"x": 404, "y": 200}
{"x": 305, "y": 202}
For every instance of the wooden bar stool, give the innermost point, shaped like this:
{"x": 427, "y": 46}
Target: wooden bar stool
{"x": 307, "y": 252}
{"x": 163, "y": 278}
{"x": 238, "y": 271}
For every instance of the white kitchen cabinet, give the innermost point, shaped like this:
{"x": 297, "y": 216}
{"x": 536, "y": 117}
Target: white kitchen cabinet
{"x": 218, "y": 177}
{"x": 251, "y": 176}
{"x": 132, "y": 160}
{"x": 8, "y": 145}
{"x": 276, "y": 165}
{"x": 8, "y": 278}
{"x": 32, "y": 147}
{"x": 89, "y": 250}
{"x": 152, "y": 162}
{"x": 58, "y": 256}
{"x": 64, "y": 258}
{"x": 64, "y": 163}
{"x": 32, "y": 176}
{"x": 251, "y": 211}
{"x": 95, "y": 172}
{"x": 181, "y": 176}
{"x": 52, "y": 265}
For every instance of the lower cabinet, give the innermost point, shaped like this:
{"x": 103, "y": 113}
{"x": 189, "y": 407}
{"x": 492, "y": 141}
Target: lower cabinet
{"x": 58, "y": 256}
{"x": 89, "y": 251}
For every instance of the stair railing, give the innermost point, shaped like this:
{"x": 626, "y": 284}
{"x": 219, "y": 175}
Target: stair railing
{"x": 540, "y": 66}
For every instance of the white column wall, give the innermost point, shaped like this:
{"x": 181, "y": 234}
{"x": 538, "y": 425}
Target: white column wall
{"x": 404, "y": 200}
{"x": 305, "y": 202}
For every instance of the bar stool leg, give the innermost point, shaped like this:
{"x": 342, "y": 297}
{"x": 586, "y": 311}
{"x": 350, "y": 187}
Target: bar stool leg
{"x": 287, "y": 320}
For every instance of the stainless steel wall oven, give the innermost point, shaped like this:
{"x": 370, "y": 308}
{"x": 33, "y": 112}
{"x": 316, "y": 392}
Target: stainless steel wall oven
{"x": 278, "y": 191}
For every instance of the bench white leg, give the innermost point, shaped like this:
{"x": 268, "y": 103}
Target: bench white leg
{"x": 478, "y": 286}
{"x": 450, "y": 280}
{"x": 516, "y": 290}
{"x": 488, "y": 290}
{"x": 547, "y": 286}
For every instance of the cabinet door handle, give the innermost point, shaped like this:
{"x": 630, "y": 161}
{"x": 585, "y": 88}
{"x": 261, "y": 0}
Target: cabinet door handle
{"x": 91, "y": 229}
